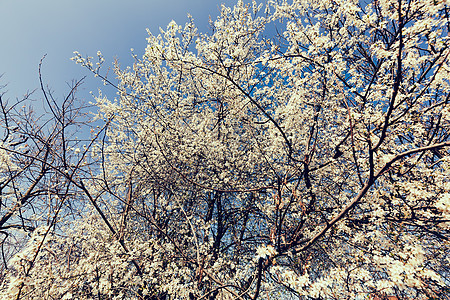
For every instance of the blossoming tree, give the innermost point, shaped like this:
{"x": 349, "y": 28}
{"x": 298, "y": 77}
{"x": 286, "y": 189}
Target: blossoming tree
{"x": 310, "y": 162}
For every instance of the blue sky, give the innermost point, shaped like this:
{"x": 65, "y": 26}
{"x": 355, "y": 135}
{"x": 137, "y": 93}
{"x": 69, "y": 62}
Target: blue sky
{"x": 31, "y": 28}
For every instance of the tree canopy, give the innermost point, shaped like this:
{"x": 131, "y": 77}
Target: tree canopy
{"x": 299, "y": 150}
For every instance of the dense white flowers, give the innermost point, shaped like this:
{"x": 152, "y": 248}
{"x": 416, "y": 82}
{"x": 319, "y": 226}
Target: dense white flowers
{"x": 265, "y": 251}
{"x": 244, "y": 163}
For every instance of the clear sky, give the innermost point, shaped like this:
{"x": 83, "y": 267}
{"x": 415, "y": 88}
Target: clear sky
{"x": 31, "y": 28}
